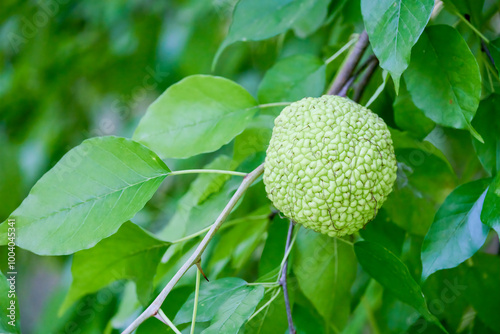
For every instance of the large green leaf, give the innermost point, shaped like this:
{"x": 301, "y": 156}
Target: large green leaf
{"x": 227, "y": 303}
{"x": 424, "y": 179}
{"x": 198, "y": 114}
{"x": 87, "y": 195}
{"x": 444, "y": 79}
{"x": 408, "y": 117}
{"x": 487, "y": 123}
{"x": 131, "y": 253}
{"x": 200, "y": 205}
{"x": 292, "y": 79}
{"x": 394, "y": 27}
{"x": 325, "y": 269}
{"x": 9, "y": 313}
{"x": 457, "y": 232}
{"x": 482, "y": 288}
{"x": 393, "y": 275}
{"x": 312, "y": 19}
{"x": 490, "y": 215}
{"x": 255, "y": 20}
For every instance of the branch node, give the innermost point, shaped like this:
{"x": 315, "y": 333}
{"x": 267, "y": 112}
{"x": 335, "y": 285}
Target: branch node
{"x": 198, "y": 265}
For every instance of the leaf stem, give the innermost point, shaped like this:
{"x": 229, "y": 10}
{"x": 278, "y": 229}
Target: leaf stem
{"x": 282, "y": 280}
{"x": 227, "y": 224}
{"x": 196, "y": 256}
{"x": 263, "y": 307}
{"x": 275, "y": 104}
{"x": 207, "y": 171}
{"x": 163, "y": 318}
{"x": 341, "y": 51}
{"x": 196, "y": 295}
{"x": 472, "y": 27}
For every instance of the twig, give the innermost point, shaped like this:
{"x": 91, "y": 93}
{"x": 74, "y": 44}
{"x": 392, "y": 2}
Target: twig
{"x": 282, "y": 282}
{"x": 163, "y": 318}
{"x": 365, "y": 79}
{"x": 343, "y": 91}
{"x": 196, "y": 256}
{"x": 346, "y": 71}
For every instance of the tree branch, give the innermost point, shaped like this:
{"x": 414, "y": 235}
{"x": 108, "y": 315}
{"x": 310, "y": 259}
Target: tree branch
{"x": 282, "y": 281}
{"x": 365, "y": 79}
{"x": 152, "y": 309}
{"x": 346, "y": 71}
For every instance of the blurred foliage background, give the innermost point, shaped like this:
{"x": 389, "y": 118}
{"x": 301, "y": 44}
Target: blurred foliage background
{"x": 71, "y": 70}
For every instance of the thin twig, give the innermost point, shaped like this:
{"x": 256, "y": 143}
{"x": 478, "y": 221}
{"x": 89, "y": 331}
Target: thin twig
{"x": 282, "y": 282}
{"x": 346, "y": 71}
{"x": 365, "y": 79}
{"x": 163, "y": 318}
{"x": 196, "y": 256}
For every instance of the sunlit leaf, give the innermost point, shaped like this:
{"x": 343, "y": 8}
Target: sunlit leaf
{"x": 457, "y": 232}
{"x": 394, "y": 26}
{"x": 198, "y": 114}
{"x": 446, "y": 91}
{"x": 131, "y": 253}
{"x": 87, "y": 195}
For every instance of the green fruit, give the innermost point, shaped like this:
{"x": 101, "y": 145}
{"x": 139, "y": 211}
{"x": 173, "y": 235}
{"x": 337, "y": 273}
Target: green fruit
{"x": 330, "y": 164}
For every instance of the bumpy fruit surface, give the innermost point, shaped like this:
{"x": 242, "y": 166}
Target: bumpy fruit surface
{"x": 330, "y": 164}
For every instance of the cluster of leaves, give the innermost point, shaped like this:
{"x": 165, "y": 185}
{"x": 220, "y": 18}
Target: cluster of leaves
{"x": 422, "y": 265}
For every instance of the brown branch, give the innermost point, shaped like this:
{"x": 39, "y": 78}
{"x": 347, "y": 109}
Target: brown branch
{"x": 347, "y": 70}
{"x": 365, "y": 79}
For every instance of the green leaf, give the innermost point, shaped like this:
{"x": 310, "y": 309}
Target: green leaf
{"x": 394, "y": 27}
{"x": 255, "y": 20}
{"x": 487, "y": 123}
{"x": 87, "y": 195}
{"x": 274, "y": 248}
{"x": 457, "y": 232}
{"x": 227, "y": 303}
{"x": 292, "y": 79}
{"x": 236, "y": 245}
{"x": 231, "y": 316}
{"x": 382, "y": 231}
{"x": 311, "y": 20}
{"x": 201, "y": 203}
{"x": 131, "y": 253}
{"x": 325, "y": 269}
{"x": 255, "y": 139}
{"x": 9, "y": 313}
{"x": 424, "y": 179}
{"x": 490, "y": 215}
{"x": 393, "y": 275}
{"x": 272, "y": 319}
{"x": 410, "y": 118}
{"x": 444, "y": 79}
{"x": 483, "y": 290}
{"x": 198, "y": 114}
{"x": 495, "y": 52}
